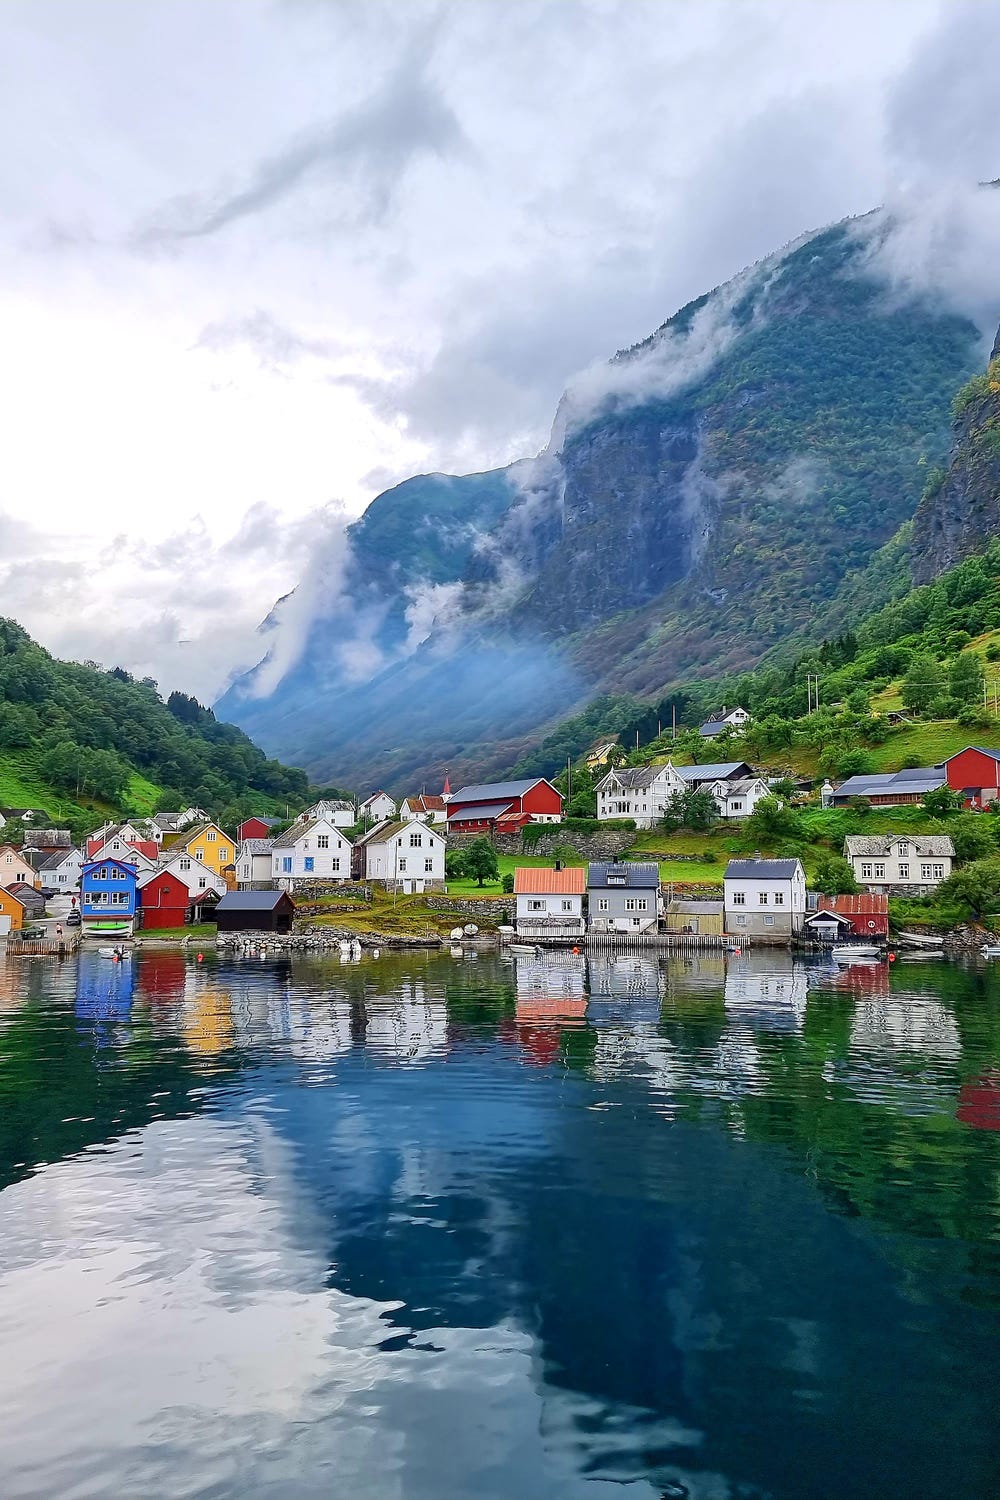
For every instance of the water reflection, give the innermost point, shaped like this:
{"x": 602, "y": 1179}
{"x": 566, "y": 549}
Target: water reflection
{"x": 424, "y": 1228}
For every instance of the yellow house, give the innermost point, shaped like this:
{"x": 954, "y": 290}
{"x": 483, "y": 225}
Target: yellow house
{"x": 207, "y": 842}
{"x": 599, "y": 751}
{"x": 11, "y": 913}
{"x": 13, "y": 867}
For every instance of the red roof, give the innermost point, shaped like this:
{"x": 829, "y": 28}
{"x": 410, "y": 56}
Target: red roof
{"x": 864, "y": 904}
{"x": 535, "y": 881}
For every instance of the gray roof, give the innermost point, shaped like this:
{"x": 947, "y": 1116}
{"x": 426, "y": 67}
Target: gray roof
{"x": 762, "y": 869}
{"x": 697, "y": 908}
{"x": 250, "y": 900}
{"x": 609, "y": 876}
{"x": 53, "y": 861}
{"x": 480, "y": 810}
{"x": 255, "y": 846}
{"x": 291, "y": 836}
{"x": 913, "y": 779}
{"x": 166, "y": 820}
{"x": 719, "y": 771}
{"x": 932, "y": 845}
{"x": 636, "y": 777}
{"x": 980, "y": 749}
{"x": 495, "y": 791}
{"x": 741, "y": 785}
{"x": 707, "y": 731}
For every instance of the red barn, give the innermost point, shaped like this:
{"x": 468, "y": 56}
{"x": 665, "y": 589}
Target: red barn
{"x": 868, "y": 913}
{"x": 163, "y": 901}
{"x": 503, "y": 806}
{"x": 975, "y": 773}
{"x": 256, "y": 828}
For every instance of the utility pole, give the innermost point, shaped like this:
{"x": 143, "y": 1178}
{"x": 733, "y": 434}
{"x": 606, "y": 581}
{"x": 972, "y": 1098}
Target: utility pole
{"x": 569, "y": 779}
{"x": 673, "y": 721}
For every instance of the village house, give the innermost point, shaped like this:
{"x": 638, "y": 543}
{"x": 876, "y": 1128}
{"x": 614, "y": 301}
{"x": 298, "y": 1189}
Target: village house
{"x": 196, "y": 877}
{"x": 310, "y": 851}
{"x": 889, "y": 861}
{"x": 638, "y": 792}
{"x": 31, "y": 899}
{"x": 164, "y": 900}
{"x": 255, "y": 911}
{"x": 254, "y": 867}
{"x": 209, "y": 844}
{"x": 46, "y": 839}
{"x": 61, "y": 870}
{"x": 378, "y": 808}
{"x": 737, "y": 798}
{"x": 11, "y": 913}
{"x": 623, "y": 897}
{"x": 549, "y": 903}
{"x": 13, "y": 866}
{"x": 121, "y": 841}
{"x": 888, "y": 789}
{"x": 336, "y": 810}
{"x": 503, "y": 806}
{"x": 405, "y": 856}
{"x": 108, "y": 896}
{"x": 765, "y": 898}
{"x": 599, "y": 751}
{"x": 702, "y": 777}
{"x": 424, "y": 808}
{"x": 35, "y": 815}
{"x": 175, "y": 822}
{"x": 865, "y": 915}
{"x": 975, "y": 774}
{"x": 695, "y": 918}
{"x": 256, "y": 828}
{"x": 732, "y": 718}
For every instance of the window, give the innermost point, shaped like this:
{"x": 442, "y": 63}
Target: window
{"x": 737, "y": 806}
{"x": 102, "y": 873}
{"x": 866, "y": 872}
{"x": 428, "y": 867}
{"x": 567, "y": 906}
{"x": 286, "y": 864}
{"x": 925, "y": 872}
{"x": 308, "y": 863}
{"x": 323, "y": 841}
{"x": 602, "y": 903}
{"x": 199, "y": 853}
{"x": 779, "y": 898}
{"x": 879, "y": 872}
{"x": 762, "y": 898}
{"x": 768, "y": 921}
{"x": 223, "y": 851}
{"x": 201, "y": 882}
{"x": 416, "y": 840}
{"x": 536, "y": 905}
{"x": 335, "y": 866}
{"x": 739, "y": 898}
{"x": 903, "y": 851}
{"x": 904, "y": 872}
{"x": 185, "y": 864}
{"x": 402, "y": 864}
{"x": 741, "y": 921}
{"x": 211, "y": 834}
{"x": 636, "y": 921}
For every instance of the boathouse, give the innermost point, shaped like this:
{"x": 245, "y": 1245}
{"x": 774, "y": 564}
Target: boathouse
{"x": 254, "y": 911}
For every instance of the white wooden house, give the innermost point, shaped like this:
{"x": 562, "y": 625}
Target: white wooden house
{"x": 639, "y": 792}
{"x": 378, "y": 808}
{"x": 549, "y": 903}
{"x": 738, "y": 798}
{"x": 254, "y": 865}
{"x": 190, "y": 872}
{"x": 765, "y": 898}
{"x": 728, "y": 718}
{"x": 884, "y": 862}
{"x": 61, "y": 870}
{"x": 310, "y": 851}
{"x": 405, "y": 856}
{"x": 424, "y": 809}
{"x": 336, "y": 810}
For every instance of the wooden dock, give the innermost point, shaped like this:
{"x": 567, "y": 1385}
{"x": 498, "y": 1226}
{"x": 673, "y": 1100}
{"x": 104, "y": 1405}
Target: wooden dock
{"x": 43, "y": 947}
{"x": 663, "y": 940}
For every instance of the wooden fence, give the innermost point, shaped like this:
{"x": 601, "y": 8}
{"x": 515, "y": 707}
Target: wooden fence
{"x": 34, "y": 947}
{"x": 666, "y": 940}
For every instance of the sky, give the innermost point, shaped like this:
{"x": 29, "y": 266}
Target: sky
{"x": 261, "y": 259}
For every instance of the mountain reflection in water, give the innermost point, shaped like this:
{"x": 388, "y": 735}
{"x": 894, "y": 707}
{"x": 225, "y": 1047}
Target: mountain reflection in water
{"x": 423, "y": 1228}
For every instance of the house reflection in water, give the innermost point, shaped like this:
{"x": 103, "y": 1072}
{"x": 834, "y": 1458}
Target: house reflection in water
{"x": 766, "y": 991}
{"x": 551, "y": 996}
{"x": 979, "y": 1102}
{"x": 407, "y": 1027}
{"x": 159, "y": 977}
{"x": 104, "y": 989}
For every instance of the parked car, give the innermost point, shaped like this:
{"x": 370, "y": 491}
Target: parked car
{"x": 47, "y": 891}
{"x": 73, "y": 919}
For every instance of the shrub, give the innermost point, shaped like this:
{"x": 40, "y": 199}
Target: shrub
{"x": 508, "y": 886}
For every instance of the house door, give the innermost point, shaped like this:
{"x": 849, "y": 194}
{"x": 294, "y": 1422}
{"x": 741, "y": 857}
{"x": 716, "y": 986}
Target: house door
{"x": 693, "y": 924}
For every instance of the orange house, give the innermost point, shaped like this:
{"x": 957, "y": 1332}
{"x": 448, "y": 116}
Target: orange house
{"x": 11, "y": 913}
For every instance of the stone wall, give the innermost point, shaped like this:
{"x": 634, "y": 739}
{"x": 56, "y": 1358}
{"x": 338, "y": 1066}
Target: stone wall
{"x": 607, "y": 843}
{"x": 490, "y": 910}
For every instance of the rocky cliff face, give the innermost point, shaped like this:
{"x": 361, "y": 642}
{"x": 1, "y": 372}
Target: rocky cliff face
{"x": 960, "y": 508}
{"x": 704, "y": 495}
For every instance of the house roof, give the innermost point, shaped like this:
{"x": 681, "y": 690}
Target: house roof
{"x": 912, "y": 779}
{"x": 94, "y": 864}
{"x": 864, "y": 904}
{"x": 18, "y": 886}
{"x": 291, "y": 836}
{"x": 536, "y": 881}
{"x": 635, "y": 778}
{"x": 922, "y": 844}
{"x": 697, "y": 908}
{"x": 609, "y": 876}
{"x": 827, "y": 914}
{"x": 494, "y": 791}
{"x": 712, "y": 727}
{"x": 480, "y": 810}
{"x": 375, "y": 795}
{"x": 762, "y": 869}
{"x": 425, "y": 803}
{"x": 259, "y": 818}
{"x": 166, "y": 820}
{"x": 59, "y": 857}
{"x": 251, "y": 900}
{"x": 255, "y": 846}
{"x": 979, "y": 749}
{"x": 382, "y": 832}
{"x": 14, "y": 896}
{"x": 719, "y": 771}
{"x": 740, "y": 786}
{"x": 195, "y": 831}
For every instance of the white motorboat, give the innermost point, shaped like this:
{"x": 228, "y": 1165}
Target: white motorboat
{"x": 523, "y": 948}
{"x": 852, "y": 953}
{"x": 990, "y": 950}
{"x": 117, "y": 953}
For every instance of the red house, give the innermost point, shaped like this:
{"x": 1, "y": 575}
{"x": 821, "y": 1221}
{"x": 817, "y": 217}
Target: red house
{"x": 503, "y": 806}
{"x": 975, "y": 773}
{"x": 163, "y": 901}
{"x": 256, "y": 828}
{"x": 867, "y": 914}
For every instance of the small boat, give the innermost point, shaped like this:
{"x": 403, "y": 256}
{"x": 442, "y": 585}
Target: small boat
{"x": 470, "y": 929}
{"x": 532, "y": 948}
{"x": 851, "y": 953}
{"x": 456, "y": 934}
{"x": 990, "y": 950}
{"x": 114, "y": 953}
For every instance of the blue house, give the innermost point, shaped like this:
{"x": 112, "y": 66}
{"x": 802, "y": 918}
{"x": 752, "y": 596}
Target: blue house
{"x": 108, "y": 896}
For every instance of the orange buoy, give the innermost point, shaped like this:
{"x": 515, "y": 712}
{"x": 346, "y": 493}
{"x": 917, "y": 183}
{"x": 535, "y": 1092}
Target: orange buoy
{"x": 200, "y": 957}
{"x": 892, "y": 958}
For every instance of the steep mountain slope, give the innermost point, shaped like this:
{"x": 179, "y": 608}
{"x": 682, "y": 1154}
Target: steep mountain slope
{"x": 959, "y": 511}
{"x": 704, "y": 495}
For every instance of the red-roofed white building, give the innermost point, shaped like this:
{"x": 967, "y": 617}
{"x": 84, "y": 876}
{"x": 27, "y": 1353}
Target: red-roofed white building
{"x": 550, "y": 901}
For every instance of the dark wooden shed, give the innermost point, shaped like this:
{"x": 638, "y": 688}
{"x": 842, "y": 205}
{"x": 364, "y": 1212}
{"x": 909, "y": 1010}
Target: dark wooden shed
{"x": 254, "y": 911}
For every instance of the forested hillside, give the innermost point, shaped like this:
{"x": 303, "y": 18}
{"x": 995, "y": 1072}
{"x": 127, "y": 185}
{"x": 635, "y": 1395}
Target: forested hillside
{"x": 81, "y": 736}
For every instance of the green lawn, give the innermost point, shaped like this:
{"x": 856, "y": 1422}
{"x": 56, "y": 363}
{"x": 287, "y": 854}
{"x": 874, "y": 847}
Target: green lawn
{"x": 201, "y": 932}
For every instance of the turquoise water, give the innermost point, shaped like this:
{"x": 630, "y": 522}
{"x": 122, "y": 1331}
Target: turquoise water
{"x": 424, "y": 1228}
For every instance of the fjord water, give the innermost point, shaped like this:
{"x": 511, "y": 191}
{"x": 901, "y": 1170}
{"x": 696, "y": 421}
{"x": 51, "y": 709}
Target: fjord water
{"x": 425, "y": 1228}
